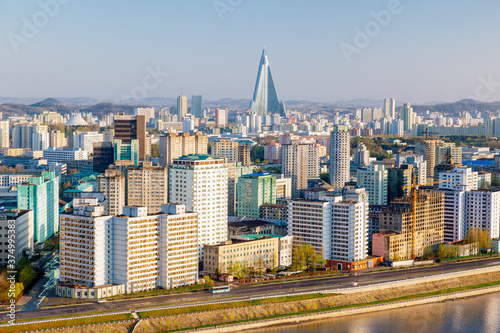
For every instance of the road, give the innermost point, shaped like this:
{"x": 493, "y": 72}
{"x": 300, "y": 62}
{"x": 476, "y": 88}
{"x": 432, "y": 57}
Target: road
{"x": 244, "y": 291}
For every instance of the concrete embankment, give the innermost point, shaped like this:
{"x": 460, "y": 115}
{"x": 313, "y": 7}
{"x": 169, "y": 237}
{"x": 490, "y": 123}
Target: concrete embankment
{"x": 289, "y": 312}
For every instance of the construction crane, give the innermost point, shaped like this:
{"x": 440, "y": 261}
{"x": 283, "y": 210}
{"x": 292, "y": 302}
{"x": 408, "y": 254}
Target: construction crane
{"x": 413, "y": 195}
{"x": 427, "y": 133}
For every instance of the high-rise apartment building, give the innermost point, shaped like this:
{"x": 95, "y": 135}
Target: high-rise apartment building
{"x": 127, "y": 151}
{"x": 148, "y": 113}
{"x": 361, "y": 155}
{"x": 147, "y": 186}
{"x": 196, "y": 106}
{"x": 41, "y": 194}
{"x": 135, "y": 252}
{"x": 374, "y": 178}
{"x": 175, "y": 145}
{"x": 112, "y": 184}
{"x": 294, "y": 165}
{"x": 57, "y": 139}
{"x": 339, "y": 156}
{"x": 272, "y": 152}
{"x": 32, "y": 135}
{"x": 129, "y": 128}
{"x": 181, "y": 107}
{"x": 4, "y": 134}
{"x": 313, "y": 160}
{"x": 427, "y": 148}
{"x": 244, "y": 149}
{"x": 200, "y": 182}
{"x": 225, "y": 148}
{"x": 253, "y": 191}
{"x": 407, "y": 117}
{"x": 390, "y": 108}
{"x": 335, "y": 226}
{"x": 397, "y": 178}
{"x": 221, "y": 117}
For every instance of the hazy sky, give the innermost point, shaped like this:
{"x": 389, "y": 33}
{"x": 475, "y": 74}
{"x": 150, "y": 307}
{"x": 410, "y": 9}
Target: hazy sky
{"x": 422, "y": 51}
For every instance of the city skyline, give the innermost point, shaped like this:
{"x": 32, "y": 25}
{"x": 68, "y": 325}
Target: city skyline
{"x": 324, "y": 53}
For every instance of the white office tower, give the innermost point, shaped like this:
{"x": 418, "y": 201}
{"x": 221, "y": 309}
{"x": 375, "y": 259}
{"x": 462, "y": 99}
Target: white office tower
{"x": 390, "y": 107}
{"x": 201, "y": 182}
{"x": 361, "y": 155}
{"x": 374, "y": 178}
{"x": 126, "y": 254}
{"x": 339, "y": 156}
{"x": 4, "y": 134}
{"x": 336, "y": 226}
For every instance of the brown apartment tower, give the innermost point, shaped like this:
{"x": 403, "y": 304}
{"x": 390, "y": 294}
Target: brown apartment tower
{"x": 128, "y": 128}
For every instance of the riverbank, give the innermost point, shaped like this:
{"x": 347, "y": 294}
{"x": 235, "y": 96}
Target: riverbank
{"x": 230, "y": 317}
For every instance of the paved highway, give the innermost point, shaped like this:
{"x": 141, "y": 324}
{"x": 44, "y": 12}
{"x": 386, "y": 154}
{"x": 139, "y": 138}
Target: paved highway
{"x": 244, "y": 291}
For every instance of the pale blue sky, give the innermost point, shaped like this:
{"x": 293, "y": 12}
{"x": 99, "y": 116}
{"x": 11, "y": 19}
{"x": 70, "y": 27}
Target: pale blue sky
{"x": 430, "y": 50}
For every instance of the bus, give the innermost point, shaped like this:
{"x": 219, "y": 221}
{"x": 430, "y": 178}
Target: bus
{"x": 220, "y": 289}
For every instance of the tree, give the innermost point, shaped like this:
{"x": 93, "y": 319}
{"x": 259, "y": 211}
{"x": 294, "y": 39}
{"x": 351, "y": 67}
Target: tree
{"x": 428, "y": 252}
{"x": 155, "y": 150}
{"x": 238, "y": 269}
{"x": 25, "y": 272}
{"x": 494, "y": 180}
{"x": 484, "y": 240}
{"x": 441, "y": 251}
{"x": 306, "y": 258}
{"x": 217, "y": 273}
{"x": 298, "y": 260}
{"x": 208, "y": 281}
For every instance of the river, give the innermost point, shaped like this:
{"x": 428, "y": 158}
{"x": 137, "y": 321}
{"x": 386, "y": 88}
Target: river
{"x": 478, "y": 314}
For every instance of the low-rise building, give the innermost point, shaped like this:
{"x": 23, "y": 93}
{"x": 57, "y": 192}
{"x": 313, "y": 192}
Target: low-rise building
{"x": 255, "y": 252}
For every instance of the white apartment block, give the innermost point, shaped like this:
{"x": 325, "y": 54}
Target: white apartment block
{"x": 201, "y": 183}
{"x": 483, "y": 211}
{"x": 134, "y": 252}
{"x": 374, "y": 178}
{"x": 337, "y": 226}
{"x": 62, "y": 155}
{"x": 459, "y": 179}
{"x": 455, "y": 222}
{"x": 20, "y": 223}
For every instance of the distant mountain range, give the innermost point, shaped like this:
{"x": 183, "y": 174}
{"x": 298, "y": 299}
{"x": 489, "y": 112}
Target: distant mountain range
{"x": 21, "y": 106}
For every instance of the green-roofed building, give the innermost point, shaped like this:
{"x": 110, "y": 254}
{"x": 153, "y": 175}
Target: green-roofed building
{"x": 254, "y": 190}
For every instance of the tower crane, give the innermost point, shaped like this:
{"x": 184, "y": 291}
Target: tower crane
{"x": 413, "y": 195}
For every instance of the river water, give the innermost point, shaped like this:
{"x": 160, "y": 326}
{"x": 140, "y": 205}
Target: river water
{"x": 477, "y": 315}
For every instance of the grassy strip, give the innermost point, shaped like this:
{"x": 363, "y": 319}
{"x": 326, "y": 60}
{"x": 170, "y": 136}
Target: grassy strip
{"x": 69, "y": 322}
{"x": 223, "y": 306}
{"x": 410, "y": 297}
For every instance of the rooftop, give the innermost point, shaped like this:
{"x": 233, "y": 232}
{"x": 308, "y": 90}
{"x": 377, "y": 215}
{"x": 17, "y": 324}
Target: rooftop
{"x": 257, "y": 236}
{"x": 197, "y": 157}
{"x": 257, "y": 174}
